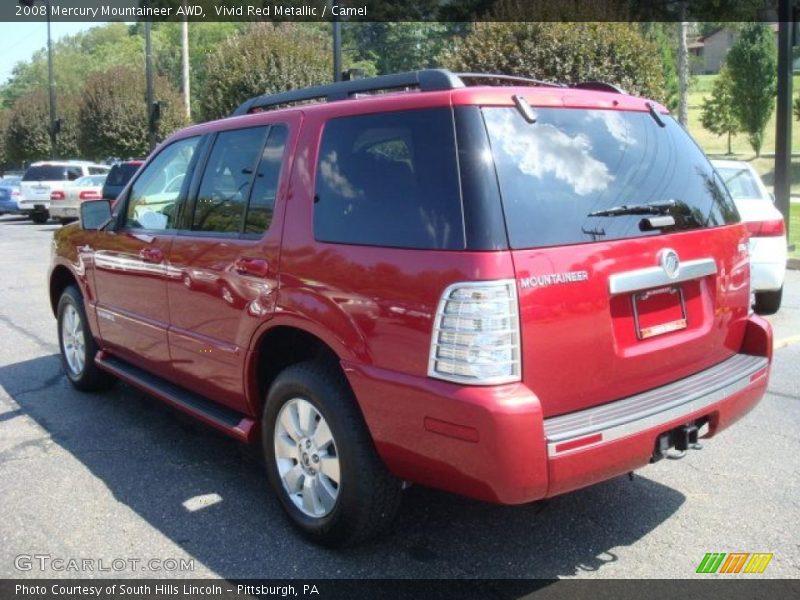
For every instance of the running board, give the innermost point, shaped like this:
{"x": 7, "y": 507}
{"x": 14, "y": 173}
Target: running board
{"x": 220, "y": 417}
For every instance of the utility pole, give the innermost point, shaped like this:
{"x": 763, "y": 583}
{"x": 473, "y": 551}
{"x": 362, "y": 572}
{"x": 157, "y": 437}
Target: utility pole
{"x": 186, "y": 77}
{"x": 783, "y": 125}
{"x": 683, "y": 70}
{"x": 150, "y": 94}
{"x": 337, "y": 45}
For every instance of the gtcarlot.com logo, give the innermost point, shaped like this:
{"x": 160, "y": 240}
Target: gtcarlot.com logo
{"x": 47, "y": 562}
{"x": 734, "y": 562}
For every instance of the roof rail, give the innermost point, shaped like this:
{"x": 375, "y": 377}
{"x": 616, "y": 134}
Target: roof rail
{"x": 599, "y": 86}
{"x": 508, "y": 78}
{"x": 427, "y": 80}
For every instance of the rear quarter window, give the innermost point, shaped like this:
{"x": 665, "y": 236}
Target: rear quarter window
{"x": 389, "y": 179}
{"x": 572, "y": 162}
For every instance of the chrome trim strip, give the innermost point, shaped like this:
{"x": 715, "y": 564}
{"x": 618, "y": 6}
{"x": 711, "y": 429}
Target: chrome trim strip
{"x": 650, "y": 409}
{"x": 632, "y": 281}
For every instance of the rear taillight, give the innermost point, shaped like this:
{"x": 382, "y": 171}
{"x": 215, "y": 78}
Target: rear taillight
{"x": 476, "y": 337}
{"x": 57, "y": 195}
{"x": 771, "y": 228}
{"x": 89, "y": 195}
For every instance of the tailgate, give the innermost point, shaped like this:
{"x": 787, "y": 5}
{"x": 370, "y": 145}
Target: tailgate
{"x": 604, "y": 321}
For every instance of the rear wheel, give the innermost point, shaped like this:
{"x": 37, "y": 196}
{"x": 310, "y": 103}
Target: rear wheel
{"x": 320, "y": 458}
{"x": 40, "y": 217}
{"x": 78, "y": 346}
{"x": 768, "y": 303}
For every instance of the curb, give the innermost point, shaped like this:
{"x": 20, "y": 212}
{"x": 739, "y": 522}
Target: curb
{"x": 793, "y": 263}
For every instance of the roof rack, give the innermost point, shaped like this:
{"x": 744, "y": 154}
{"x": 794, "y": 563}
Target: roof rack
{"x": 598, "y": 86}
{"x": 426, "y": 80}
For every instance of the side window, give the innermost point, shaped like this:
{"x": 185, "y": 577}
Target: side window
{"x": 97, "y": 171}
{"x": 389, "y": 179}
{"x": 74, "y": 173}
{"x": 153, "y": 199}
{"x": 225, "y": 187}
{"x": 265, "y": 187}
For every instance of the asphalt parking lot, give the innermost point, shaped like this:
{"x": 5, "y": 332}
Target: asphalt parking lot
{"x": 104, "y": 477}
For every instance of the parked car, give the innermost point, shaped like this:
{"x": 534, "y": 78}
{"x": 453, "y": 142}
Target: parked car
{"x": 119, "y": 175}
{"x": 65, "y": 202}
{"x": 768, "y": 247}
{"x": 41, "y": 178}
{"x": 9, "y": 195}
{"x": 506, "y": 292}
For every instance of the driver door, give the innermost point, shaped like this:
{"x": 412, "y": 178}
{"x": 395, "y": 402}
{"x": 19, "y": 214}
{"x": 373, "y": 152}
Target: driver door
{"x": 130, "y": 262}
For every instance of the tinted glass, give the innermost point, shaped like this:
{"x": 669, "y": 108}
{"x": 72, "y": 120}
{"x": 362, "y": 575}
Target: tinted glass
{"x": 154, "y": 195}
{"x": 45, "y": 173}
{"x": 98, "y": 170}
{"x": 222, "y": 198}
{"x": 740, "y": 182}
{"x": 572, "y": 162}
{"x": 119, "y": 175}
{"x": 74, "y": 173}
{"x": 265, "y": 187}
{"x": 389, "y": 179}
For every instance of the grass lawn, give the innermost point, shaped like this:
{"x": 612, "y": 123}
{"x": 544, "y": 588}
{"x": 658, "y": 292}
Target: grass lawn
{"x": 794, "y": 229}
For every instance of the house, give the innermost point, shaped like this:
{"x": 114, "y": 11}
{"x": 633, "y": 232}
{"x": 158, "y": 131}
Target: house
{"x": 707, "y": 54}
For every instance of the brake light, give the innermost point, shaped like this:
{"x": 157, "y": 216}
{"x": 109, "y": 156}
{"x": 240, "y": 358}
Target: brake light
{"x": 57, "y": 195}
{"x": 476, "y": 337}
{"x": 89, "y": 195}
{"x": 771, "y": 228}
{"x": 15, "y": 194}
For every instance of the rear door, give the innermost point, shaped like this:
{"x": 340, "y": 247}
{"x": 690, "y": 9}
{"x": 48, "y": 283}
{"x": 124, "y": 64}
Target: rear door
{"x": 130, "y": 262}
{"x": 223, "y": 279}
{"x": 631, "y": 270}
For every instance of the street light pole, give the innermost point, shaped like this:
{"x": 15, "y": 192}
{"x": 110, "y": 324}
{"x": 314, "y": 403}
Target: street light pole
{"x": 337, "y": 45}
{"x": 52, "y": 85}
{"x": 783, "y": 124}
{"x": 150, "y": 94}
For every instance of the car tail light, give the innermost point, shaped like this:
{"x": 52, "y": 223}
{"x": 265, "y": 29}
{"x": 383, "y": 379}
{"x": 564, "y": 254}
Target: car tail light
{"x": 57, "y": 195}
{"x": 476, "y": 337}
{"x": 771, "y": 228}
{"x": 89, "y": 195}
{"x": 15, "y": 194}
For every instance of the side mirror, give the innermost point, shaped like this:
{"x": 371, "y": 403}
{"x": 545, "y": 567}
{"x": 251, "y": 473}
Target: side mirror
{"x": 95, "y": 214}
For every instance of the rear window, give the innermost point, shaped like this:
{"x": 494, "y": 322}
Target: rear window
{"x": 46, "y": 173}
{"x": 740, "y": 182}
{"x": 572, "y": 162}
{"x": 119, "y": 175}
{"x": 390, "y": 179}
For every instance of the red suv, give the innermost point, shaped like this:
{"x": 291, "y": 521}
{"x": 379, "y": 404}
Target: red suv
{"x": 498, "y": 287}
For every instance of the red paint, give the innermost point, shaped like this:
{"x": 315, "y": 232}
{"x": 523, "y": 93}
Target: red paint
{"x": 196, "y": 309}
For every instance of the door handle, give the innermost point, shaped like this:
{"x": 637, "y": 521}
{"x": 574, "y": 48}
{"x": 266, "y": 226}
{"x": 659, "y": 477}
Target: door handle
{"x": 257, "y": 267}
{"x": 151, "y": 255}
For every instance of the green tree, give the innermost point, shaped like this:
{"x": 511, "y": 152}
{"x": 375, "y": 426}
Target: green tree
{"x": 28, "y": 137}
{"x": 664, "y": 36}
{"x": 754, "y": 71}
{"x": 614, "y": 52}
{"x": 5, "y": 115}
{"x": 113, "y": 119}
{"x": 265, "y": 59}
{"x": 718, "y": 114}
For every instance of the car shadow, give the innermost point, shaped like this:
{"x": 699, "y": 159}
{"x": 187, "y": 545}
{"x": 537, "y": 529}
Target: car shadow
{"x": 153, "y": 460}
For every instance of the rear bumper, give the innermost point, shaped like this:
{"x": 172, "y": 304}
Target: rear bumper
{"x": 492, "y": 443}
{"x": 767, "y": 263}
{"x": 63, "y": 212}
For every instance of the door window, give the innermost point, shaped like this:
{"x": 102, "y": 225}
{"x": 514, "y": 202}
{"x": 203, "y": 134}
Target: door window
{"x": 154, "y": 197}
{"x": 265, "y": 187}
{"x": 225, "y": 187}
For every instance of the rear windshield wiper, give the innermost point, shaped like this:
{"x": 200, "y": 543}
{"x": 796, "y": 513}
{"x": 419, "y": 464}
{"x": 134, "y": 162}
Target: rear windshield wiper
{"x": 655, "y": 208}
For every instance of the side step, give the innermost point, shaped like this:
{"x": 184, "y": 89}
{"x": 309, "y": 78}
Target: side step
{"x": 220, "y": 417}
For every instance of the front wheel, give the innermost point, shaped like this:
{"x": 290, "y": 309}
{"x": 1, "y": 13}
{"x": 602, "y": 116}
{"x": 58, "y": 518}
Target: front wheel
{"x": 768, "y": 303}
{"x": 78, "y": 346}
{"x": 320, "y": 458}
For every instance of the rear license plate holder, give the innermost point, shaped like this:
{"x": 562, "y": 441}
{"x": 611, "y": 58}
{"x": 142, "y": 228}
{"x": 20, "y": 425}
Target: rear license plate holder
{"x": 659, "y": 311}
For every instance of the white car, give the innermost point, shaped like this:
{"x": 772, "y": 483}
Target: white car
{"x": 42, "y": 178}
{"x": 768, "y": 249}
{"x": 65, "y": 201}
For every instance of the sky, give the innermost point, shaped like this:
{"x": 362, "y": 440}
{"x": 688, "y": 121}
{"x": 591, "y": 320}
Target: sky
{"x": 18, "y": 41}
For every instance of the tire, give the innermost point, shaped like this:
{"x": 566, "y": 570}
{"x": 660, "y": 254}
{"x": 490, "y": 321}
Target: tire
{"x": 78, "y": 346}
{"x": 768, "y": 303}
{"x": 40, "y": 217}
{"x": 366, "y": 498}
